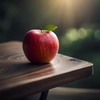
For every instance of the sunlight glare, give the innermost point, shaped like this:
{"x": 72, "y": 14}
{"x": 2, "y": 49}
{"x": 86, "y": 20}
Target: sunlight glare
{"x": 70, "y": 12}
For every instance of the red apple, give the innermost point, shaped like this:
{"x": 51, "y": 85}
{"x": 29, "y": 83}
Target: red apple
{"x": 40, "y": 46}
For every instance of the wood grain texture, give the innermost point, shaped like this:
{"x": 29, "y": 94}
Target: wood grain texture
{"x": 19, "y": 77}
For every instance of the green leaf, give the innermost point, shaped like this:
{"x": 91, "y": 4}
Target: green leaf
{"x": 50, "y": 27}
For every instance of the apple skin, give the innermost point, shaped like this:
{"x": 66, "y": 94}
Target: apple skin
{"x": 40, "y": 46}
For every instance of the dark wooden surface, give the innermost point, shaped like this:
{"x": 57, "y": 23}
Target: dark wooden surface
{"x": 19, "y": 77}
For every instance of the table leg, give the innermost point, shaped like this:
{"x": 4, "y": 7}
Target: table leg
{"x": 44, "y": 95}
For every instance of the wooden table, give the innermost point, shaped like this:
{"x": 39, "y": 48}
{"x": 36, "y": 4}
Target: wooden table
{"x": 20, "y": 78}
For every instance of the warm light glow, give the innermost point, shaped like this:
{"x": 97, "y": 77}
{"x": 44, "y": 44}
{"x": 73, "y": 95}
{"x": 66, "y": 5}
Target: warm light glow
{"x": 69, "y": 11}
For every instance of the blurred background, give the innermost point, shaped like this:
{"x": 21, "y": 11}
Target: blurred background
{"x": 78, "y": 23}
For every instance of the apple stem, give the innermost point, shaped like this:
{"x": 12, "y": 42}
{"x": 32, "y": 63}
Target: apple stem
{"x": 41, "y": 30}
